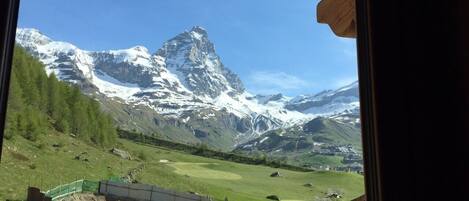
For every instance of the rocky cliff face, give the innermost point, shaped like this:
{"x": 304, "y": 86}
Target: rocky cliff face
{"x": 191, "y": 56}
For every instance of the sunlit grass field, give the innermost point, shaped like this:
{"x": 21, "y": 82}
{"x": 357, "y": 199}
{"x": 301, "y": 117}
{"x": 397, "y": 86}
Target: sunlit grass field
{"x": 52, "y": 160}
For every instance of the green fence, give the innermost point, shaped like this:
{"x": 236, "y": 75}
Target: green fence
{"x": 74, "y": 187}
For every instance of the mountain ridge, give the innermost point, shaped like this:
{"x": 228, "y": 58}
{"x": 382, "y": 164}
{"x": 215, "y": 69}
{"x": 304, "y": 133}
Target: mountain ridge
{"x": 185, "y": 80}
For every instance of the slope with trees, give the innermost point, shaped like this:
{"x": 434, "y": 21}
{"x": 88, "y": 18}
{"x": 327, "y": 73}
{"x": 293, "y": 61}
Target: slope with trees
{"x": 38, "y": 102}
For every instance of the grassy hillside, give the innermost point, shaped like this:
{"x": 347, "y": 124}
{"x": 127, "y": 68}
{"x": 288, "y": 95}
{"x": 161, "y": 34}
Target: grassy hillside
{"x": 217, "y": 132}
{"x": 51, "y": 160}
{"x": 204, "y": 151}
{"x": 331, "y": 131}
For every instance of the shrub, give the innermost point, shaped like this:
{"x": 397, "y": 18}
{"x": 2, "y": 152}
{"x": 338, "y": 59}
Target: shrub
{"x": 8, "y": 135}
{"x": 32, "y": 166}
{"x": 41, "y": 145}
{"x": 142, "y": 156}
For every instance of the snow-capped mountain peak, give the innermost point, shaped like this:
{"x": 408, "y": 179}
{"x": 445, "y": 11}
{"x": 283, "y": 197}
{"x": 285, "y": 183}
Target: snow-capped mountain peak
{"x": 198, "y": 33}
{"x": 184, "y": 79}
{"x": 192, "y": 57}
{"x": 329, "y": 102}
{"x": 140, "y": 48}
{"x": 32, "y": 36}
{"x": 138, "y": 55}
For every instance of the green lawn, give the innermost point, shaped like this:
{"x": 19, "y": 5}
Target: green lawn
{"x": 40, "y": 164}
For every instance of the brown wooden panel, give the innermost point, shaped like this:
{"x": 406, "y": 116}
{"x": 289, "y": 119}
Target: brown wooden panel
{"x": 339, "y": 15}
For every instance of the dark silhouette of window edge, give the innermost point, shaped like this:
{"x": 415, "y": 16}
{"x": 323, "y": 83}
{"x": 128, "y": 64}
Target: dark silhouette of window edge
{"x": 8, "y": 22}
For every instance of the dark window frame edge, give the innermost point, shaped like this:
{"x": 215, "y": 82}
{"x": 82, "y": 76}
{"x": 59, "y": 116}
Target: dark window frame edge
{"x": 368, "y": 110}
{"x": 10, "y": 9}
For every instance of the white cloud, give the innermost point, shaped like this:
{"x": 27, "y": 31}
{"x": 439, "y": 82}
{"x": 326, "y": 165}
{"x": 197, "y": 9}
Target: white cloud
{"x": 348, "y": 47}
{"x": 347, "y": 40}
{"x": 267, "y": 82}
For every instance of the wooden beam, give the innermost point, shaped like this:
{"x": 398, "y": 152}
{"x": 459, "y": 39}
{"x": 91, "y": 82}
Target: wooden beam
{"x": 339, "y": 15}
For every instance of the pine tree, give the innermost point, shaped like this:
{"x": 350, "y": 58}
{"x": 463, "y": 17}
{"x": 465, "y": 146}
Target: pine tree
{"x": 42, "y": 86}
{"x": 32, "y": 129}
{"x": 54, "y": 95}
{"x": 31, "y": 94}
{"x": 15, "y": 106}
{"x": 21, "y": 124}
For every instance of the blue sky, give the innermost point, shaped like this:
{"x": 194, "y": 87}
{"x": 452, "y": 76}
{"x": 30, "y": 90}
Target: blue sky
{"x": 275, "y": 46}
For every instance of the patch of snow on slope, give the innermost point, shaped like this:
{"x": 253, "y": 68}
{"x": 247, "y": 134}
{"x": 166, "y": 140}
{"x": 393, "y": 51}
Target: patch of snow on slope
{"x": 84, "y": 63}
{"x": 242, "y": 106}
{"x": 333, "y": 108}
{"x": 112, "y": 87}
{"x": 31, "y": 36}
{"x": 263, "y": 139}
{"x": 197, "y": 35}
{"x": 137, "y": 55}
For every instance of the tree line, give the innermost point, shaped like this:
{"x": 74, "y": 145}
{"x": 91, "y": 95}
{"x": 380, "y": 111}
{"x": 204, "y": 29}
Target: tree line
{"x": 38, "y": 103}
{"x": 204, "y": 151}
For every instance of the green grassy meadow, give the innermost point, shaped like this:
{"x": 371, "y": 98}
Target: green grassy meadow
{"x": 51, "y": 161}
